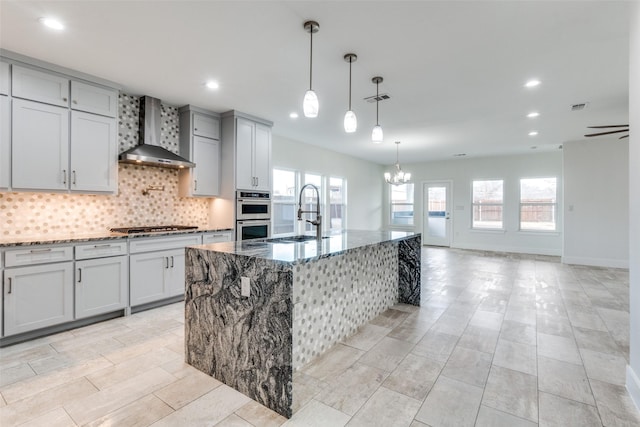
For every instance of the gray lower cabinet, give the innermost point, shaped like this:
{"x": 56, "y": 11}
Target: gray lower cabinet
{"x": 157, "y": 272}
{"x": 37, "y": 296}
{"x": 101, "y": 285}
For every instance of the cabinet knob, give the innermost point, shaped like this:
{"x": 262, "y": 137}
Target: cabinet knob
{"x": 64, "y": 99}
{"x": 75, "y": 101}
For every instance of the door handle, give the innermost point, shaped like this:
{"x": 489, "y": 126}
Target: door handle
{"x": 9, "y": 290}
{"x": 79, "y": 275}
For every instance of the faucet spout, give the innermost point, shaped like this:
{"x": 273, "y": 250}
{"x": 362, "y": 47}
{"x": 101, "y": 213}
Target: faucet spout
{"x": 318, "y": 220}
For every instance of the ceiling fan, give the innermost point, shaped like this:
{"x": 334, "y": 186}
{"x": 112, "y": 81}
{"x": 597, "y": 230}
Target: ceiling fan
{"x": 610, "y": 131}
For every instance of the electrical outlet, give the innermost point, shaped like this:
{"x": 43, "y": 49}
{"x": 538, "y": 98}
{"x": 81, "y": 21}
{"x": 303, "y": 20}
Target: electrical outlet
{"x": 245, "y": 288}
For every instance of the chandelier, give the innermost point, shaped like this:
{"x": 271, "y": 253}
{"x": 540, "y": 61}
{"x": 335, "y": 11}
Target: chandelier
{"x": 399, "y": 176}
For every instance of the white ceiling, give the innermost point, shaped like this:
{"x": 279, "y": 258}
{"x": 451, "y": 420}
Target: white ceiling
{"x": 455, "y": 70}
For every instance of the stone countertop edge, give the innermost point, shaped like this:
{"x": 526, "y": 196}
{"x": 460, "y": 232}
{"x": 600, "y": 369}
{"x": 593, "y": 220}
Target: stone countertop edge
{"x": 89, "y": 237}
{"x": 260, "y": 248}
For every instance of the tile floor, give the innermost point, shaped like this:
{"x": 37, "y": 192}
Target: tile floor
{"x": 498, "y": 341}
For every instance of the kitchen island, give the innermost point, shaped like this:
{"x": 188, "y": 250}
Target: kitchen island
{"x": 303, "y": 297}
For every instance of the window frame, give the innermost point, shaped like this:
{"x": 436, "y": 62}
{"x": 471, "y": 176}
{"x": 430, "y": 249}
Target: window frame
{"x": 474, "y": 204}
{"x": 553, "y": 204}
{"x": 392, "y": 204}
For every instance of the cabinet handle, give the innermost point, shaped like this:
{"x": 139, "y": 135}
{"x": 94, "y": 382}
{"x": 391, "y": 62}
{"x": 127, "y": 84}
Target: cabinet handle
{"x": 9, "y": 290}
{"x": 171, "y": 261}
{"x": 74, "y": 177}
{"x": 102, "y": 246}
{"x": 40, "y": 251}
{"x": 167, "y": 260}
{"x": 64, "y": 176}
{"x": 79, "y": 275}
{"x": 75, "y": 101}
{"x": 195, "y": 185}
{"x": 64, "y": 99}
{"x": 257, "y": 181}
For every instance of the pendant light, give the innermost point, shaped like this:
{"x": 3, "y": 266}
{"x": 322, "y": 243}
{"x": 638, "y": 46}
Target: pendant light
{"x": 399, "y": 177}
{"x": 350, "y": 119}
{"x": 310, "y": 102}
{"x": 376, "y": 134}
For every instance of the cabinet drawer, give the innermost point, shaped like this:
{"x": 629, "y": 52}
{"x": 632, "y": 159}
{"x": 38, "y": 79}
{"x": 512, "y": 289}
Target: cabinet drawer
{"x": 38, "y": 86}
{"x": 94, "y": 99}
{"x": 37, "y": 255}
{"x": 4, "y": 78}
{"x": 163, "y": 243}
{"x": 222, "y": 236}
{"x": 101, "y": 249}
{"x": 206, "y": 126}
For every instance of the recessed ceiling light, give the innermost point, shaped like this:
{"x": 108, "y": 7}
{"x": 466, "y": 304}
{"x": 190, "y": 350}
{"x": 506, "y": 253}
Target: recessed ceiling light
{"x": 459, "y": 154}
{"x": 532, "y": 83}
{"x": 212, "y": 84}
{"x": 533, "y": 147}
{"x": 293, "y": 115}
{"x": 533, "y": 114}
{"x": 533, "y": 133}
{"x": 52, "y": 23}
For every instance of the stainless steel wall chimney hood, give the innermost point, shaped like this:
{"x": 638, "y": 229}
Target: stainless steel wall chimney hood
{"x": 149, "y": 152}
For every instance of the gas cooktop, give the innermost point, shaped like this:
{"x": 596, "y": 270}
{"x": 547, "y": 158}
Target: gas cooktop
{"x": 153, "y": 229}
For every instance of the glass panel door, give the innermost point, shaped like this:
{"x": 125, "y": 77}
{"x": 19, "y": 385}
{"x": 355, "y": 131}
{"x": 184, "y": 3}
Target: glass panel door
{"x": 437, "y": 214}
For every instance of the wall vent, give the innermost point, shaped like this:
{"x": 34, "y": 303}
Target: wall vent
{"x": 578, "y": 107}
{"x": 374, "y": 98}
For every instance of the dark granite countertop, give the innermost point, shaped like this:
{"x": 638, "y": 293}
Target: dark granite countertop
{"x": 50, "y": 239}
{"x": 298, "y": 252}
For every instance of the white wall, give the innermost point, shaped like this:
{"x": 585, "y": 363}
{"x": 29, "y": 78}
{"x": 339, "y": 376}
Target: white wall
{"x": 364, "y": 179}
{"x": 509, "y": 168}
{"x": 633, "y": 370}
{"x": 596, "y": 203}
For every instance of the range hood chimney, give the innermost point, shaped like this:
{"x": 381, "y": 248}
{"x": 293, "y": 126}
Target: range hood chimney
{"x": 149, "y": 152}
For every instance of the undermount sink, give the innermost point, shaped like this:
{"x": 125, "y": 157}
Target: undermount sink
{"x": 293, "y": 239}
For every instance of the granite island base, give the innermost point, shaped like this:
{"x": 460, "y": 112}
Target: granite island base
{"x": 304, "y": 298}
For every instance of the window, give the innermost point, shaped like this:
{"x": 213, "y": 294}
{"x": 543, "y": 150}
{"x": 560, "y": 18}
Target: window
{"x": 337, "y": 203}
{"x": 401, "y": 204}
{"x": 538, "y": 204}
{"x": 487, "y": 201}
{"x": 284, "y": 202}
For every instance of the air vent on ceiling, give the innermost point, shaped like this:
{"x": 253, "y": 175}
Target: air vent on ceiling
{"x": 374, "y": 98}
{"x": 578, "y": 107}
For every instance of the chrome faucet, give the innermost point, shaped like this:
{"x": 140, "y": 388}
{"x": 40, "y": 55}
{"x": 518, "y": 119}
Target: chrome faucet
{"x": 318, "y": 221}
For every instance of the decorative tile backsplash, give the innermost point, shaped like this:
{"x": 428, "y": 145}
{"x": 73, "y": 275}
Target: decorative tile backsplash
{"x": 37, "y": 214}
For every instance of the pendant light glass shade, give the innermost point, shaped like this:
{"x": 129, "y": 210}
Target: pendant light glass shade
{"x": 399, "y": 177}
{"x": 350, "y": 119}
{"x": 376, "y": 134}
{"x": 310, "y": 104}
{"x": 350, "y": 122}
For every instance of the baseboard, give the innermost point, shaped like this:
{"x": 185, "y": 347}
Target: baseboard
{"x": 596, "y": 262}
{"x": 509, "y": 249}
{"x": 633, "y": 386}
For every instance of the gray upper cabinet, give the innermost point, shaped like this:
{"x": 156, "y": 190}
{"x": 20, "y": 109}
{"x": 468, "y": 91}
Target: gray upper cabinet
{"x": 4, "y": 78}
{"x": 40, "y": 154}
{"x": 93, "y": 150}
{"x": 200, "y": 143}
{"x": 39, "y": 86}
{"x": 206, "y": 124}
{"x": 94, "y": 99}
{"x": 5, "y": 142}
{"x": 58, "y": 144}
{"x": 246, "y": 158}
